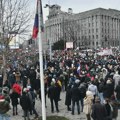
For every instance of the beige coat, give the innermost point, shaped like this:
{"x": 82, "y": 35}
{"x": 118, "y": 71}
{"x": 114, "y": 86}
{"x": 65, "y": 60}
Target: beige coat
{"x": 88, "y": 104}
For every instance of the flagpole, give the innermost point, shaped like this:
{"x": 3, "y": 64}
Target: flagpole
{"x": 40, "y": 18}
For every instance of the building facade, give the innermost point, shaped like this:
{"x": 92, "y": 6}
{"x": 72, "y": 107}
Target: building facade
{"x": 91, "y": 29}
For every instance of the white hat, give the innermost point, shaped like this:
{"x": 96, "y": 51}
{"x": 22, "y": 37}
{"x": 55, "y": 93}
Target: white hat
{"x": 25, "y": 90}
{"x": 28, "y": 87}
{"x": 77, "y": 81}
{"x": 108, "y": 82}
{"x": 71, "y": 74}
{"x": 53, "y": 80}
{"x": 89, "y": 93}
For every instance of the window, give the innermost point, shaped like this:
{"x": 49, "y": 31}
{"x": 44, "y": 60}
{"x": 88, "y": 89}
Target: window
{"x": 102, "y": 43}
{"x": 97, "y": 43}
{"x": 93, "y": 36}
{"x": 96, "y": 17}
{"x": 96, "y": 23}
{"x": 89, "y": 24}
{"x": 89, "y": 30}
{"x": 96, "y": 29}
{"x": 105, "y": 30}
{"x": 92, "y": 17}
{"x": 102, "y": 30}
{"x": 105, "y": 17}
{"x": 89, "y": 37}
{"x": 102, "y": 23}
{"x": 102, "y": 16}
{"x": 93, "y": 30}
{"x": 96, "y": 36}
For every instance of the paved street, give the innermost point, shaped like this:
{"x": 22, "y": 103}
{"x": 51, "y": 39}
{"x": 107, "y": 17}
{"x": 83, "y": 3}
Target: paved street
{"x": 62, "y": 108}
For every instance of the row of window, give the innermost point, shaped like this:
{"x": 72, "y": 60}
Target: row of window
{"x": 114, "y": 43}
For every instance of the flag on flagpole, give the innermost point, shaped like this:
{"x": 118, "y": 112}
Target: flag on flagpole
{"x": 36, "y": 24}
{"x": 41, "y": 30}
{"x": 41, "y": 18}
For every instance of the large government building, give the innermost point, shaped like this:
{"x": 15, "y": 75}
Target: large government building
{"x": 91, "y": 29}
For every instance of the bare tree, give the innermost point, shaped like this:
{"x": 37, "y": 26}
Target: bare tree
{"x": 71, "y": 30}
{"x": 14, "y": 19}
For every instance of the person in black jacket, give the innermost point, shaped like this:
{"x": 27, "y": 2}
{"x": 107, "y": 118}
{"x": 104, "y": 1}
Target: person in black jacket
{"x": 109, "y": 89}
{"x": 108, "y": 109}
{"x": 68, "y": 97}
{"x": 117, "y": 90}
{"x": 25, "y": 103}
{"x": 14, "y": 98}
{"x": 75, "y": 92}
{"x": 54, "y": 96}
{"x": 99, "y": 111}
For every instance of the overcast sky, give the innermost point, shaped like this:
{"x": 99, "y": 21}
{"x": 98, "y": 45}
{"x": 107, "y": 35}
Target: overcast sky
{"x": 82, "y": 5}
{"x": 77, "y": 5}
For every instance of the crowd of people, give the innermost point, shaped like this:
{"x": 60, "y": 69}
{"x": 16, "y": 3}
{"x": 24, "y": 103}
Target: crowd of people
{"x": 91, "y": 83}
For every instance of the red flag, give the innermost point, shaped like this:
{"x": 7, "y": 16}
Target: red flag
{"x": 35, "y": 27}
{"x": 36, "y": 22}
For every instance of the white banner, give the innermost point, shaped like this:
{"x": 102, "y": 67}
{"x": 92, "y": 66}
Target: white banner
{"x": 69, "y": 45}
{"x": 105, "y": 52}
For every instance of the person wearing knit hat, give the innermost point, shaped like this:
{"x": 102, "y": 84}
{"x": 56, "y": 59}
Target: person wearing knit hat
{"x": 53, "y": 80}
{"x": 108, "y": 81}
{"x": 96, "y": 108}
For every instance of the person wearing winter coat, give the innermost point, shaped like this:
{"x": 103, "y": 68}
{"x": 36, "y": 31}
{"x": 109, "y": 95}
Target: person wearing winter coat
{"x": 98, "y": 110}
{"x": 115, "y": 105}
{"x": 25, "y": 104}
{"x": 88, "y": 101}
{"x": 4, "y": 103}
{"x": 11, "y": 79}
{"x": 101, "y": 90}
{"x": 32, "y": 78}
{"x": 75, "y": 95}
{"x": 25, "y": 79}
{"x": 68, "y": 97}
{"x": 93, "y": 88}
{"x": 53, "y": 94}
{"x": 14, "y": 99}
{"x": 117, "y": 90}
{"x": 108, "y": 89}
{"x": 108, "y": 109}
{"x": 33, "y": 96}
{"x": 82, "y": 89}
{"x": 116, "y": 79}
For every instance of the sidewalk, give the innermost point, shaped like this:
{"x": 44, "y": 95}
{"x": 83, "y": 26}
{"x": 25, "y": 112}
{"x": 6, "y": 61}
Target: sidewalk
{"x": 62, "y": 108}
